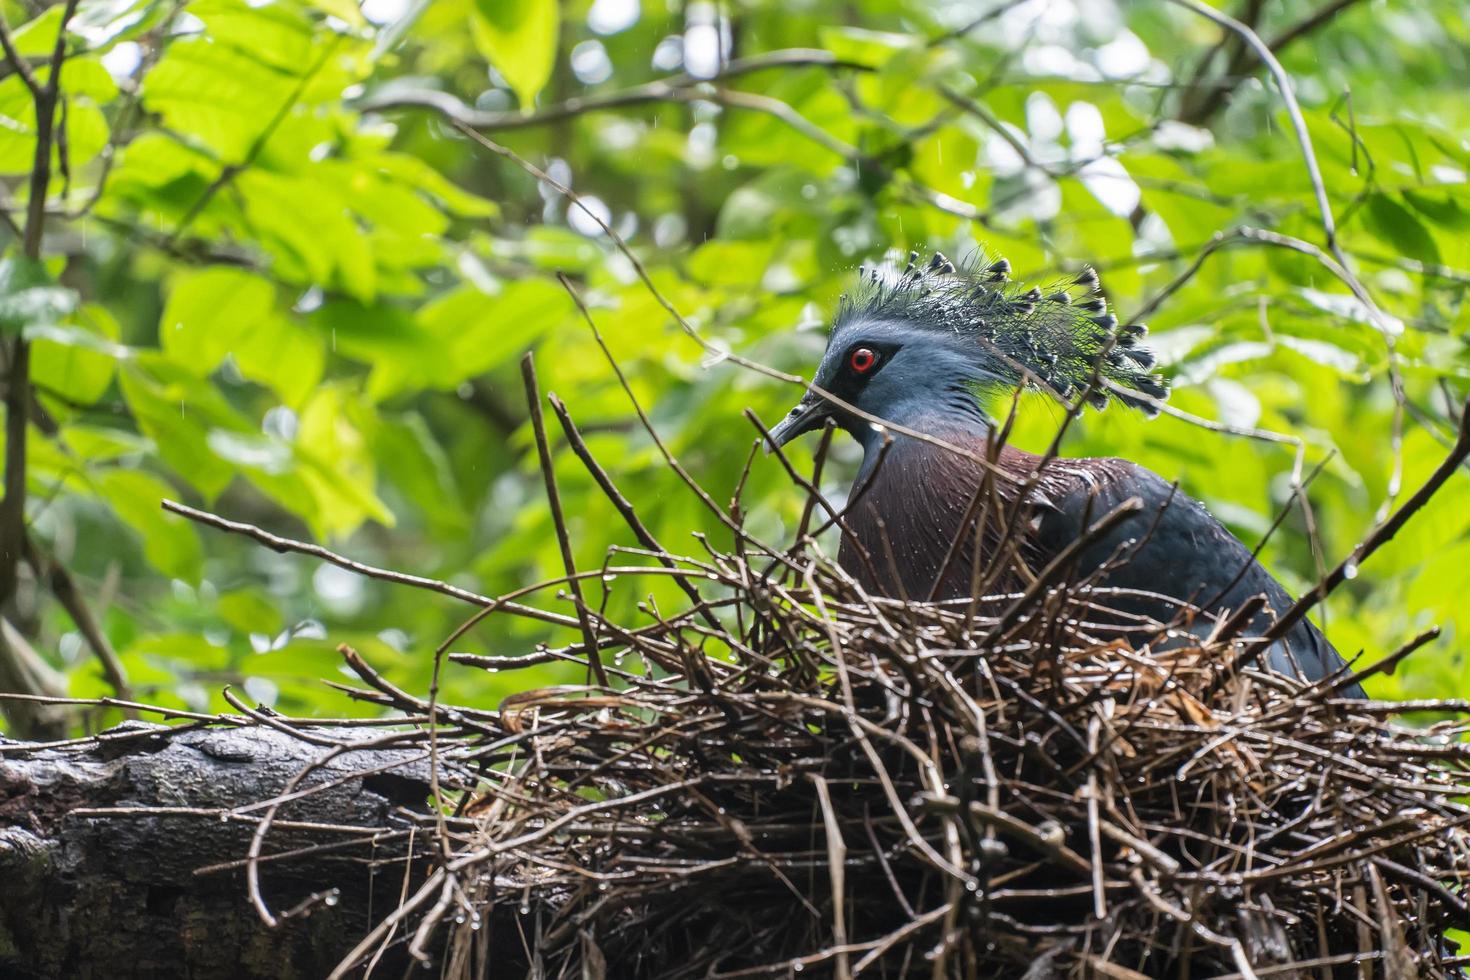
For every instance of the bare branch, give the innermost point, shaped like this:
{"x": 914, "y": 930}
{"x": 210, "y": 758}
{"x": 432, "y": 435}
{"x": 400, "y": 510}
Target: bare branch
{"x": 284, "y": 545}
{"x": 64, "y": 587}
{"x": 1201, "y": 109}
{"x": 558, "y": 519}
{"x": 675, "y": 88}
{"x": 1381, "y": 535}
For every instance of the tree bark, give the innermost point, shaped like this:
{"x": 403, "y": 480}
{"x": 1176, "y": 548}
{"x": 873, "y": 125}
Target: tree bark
{"x": 104, "y": 849}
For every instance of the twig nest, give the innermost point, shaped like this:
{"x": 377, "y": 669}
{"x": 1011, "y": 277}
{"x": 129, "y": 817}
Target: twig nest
{"x": 870, "y": 787}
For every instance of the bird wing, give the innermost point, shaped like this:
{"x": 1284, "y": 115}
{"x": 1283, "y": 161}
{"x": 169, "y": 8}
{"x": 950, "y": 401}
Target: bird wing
{"x": 1174, "y": 551}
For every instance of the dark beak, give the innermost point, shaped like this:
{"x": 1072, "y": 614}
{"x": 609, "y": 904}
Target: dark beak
{"x": 809, "y": 414}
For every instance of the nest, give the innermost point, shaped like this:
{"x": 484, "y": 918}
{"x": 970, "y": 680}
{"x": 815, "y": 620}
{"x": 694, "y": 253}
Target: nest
{"x": 789, "y": 774}
{"x": 868, "y": 787}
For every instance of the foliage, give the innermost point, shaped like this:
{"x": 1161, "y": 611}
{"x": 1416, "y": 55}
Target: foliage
{"x": 278, "y": 282}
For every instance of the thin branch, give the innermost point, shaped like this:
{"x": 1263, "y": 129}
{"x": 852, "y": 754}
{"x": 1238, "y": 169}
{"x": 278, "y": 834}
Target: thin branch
{"x": 45, "y": 101}
{"x": 19, "y": 64}
{"x": 624, "y": 506}
{"x": 283, "y": 545}
{"x": 1304, "y": 142}
{"x": 1381, "y": 535}
{"x": 1061, "y": 563}
{"x": 558, "y": 519}
{"x": 1293, "y": 110}
{"x": 34, "y": 710}
{"x": 675, "y": 88}
{"x": 978, "y": 22}
{"x": 1236, "y": 57}
{"x": 64, "y": 587}
{"x": 1203, "y": 109}
{"x": 716, "y": 352}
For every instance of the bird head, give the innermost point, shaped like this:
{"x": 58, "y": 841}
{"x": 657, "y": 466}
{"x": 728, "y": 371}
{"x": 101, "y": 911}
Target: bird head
{"x": 934, "y": 336}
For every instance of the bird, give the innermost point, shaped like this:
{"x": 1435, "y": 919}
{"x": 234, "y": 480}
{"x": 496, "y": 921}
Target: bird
{"x": 915, "y": 361}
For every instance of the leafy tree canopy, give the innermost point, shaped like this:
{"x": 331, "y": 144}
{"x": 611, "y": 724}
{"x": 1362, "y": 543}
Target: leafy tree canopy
{"x": 293, "y": 251}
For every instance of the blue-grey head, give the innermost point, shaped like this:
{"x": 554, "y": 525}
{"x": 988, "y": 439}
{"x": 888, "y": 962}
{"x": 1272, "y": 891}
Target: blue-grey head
{"x": 933, "y": 341}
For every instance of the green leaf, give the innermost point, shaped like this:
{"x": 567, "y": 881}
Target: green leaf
{"x": 384, "y": 202}
{"x": 308, "y": 224}
{"x": 1442, "y": 209}
{"x": 519, "y": 37}
{"x": 84, "y": 78}
{"x": 86, "y": 136}
{"x": 1396, "y": 224}
{"x": 550, "y": 247}
{"x": 29, "y": 298}
{"x": 726, "y": 263}
{"x": 77, "y": 361}
{"x": 873, "y": 49}
{"x": 169, "y": 542}
{"x": 276, "y": 34}
{"x": 172, "y": 650}
{"x": 96, "y": 444}
{"x": 418, "y": 174}
{"x": 177, "y": 410}
{"x": 219, "y": 97}
{"x": 421, "y": 472}
{"x": 154, "y": 160}
{"x": 282, "y": 355}
{"x": 208, "y": 312}
{"x": 249, "y": 612}
{"x": 337, "y": 464}
{"x": 467, "y": 332}
{"x": 37, "y": 36}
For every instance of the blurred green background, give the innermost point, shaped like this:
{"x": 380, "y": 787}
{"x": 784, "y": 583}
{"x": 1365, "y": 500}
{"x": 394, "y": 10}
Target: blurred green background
{"x": 280, "y": 285}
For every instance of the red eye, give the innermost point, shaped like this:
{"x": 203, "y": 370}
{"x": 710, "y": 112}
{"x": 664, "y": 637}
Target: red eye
{"x": 862, "y": 360}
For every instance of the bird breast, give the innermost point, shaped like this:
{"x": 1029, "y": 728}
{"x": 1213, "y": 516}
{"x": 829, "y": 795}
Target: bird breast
{"x": 915, "y": 518}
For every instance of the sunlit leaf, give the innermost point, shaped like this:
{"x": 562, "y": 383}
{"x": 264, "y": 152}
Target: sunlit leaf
{"x": 519, "y": 39}
{"x": 337, "y": 462}
{"x": 865, "y": 47}
{"x": 97, "y": 445}
{"x": 283, "y": 355}
{"x": 209, "y": 312}
{"x": 76, "y": 362}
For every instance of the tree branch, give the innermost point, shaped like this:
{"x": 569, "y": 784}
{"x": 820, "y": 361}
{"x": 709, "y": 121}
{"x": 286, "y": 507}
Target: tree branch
{"x": 1202, "y": 106}
{"x": 20, "y": 65}
{"x": 283, "y": 545}
{"x": 25, "y": 672}
{"x": 18, "y": 391}
{"x": 64, "y": 587}
{"x": 558, "y": 519}
{"x": 675, "y": 88}
{"x": 1380, "y": 536}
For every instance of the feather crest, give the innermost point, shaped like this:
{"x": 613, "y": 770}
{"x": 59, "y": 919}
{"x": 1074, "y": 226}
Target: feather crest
{"x": 1060, "y": 336}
